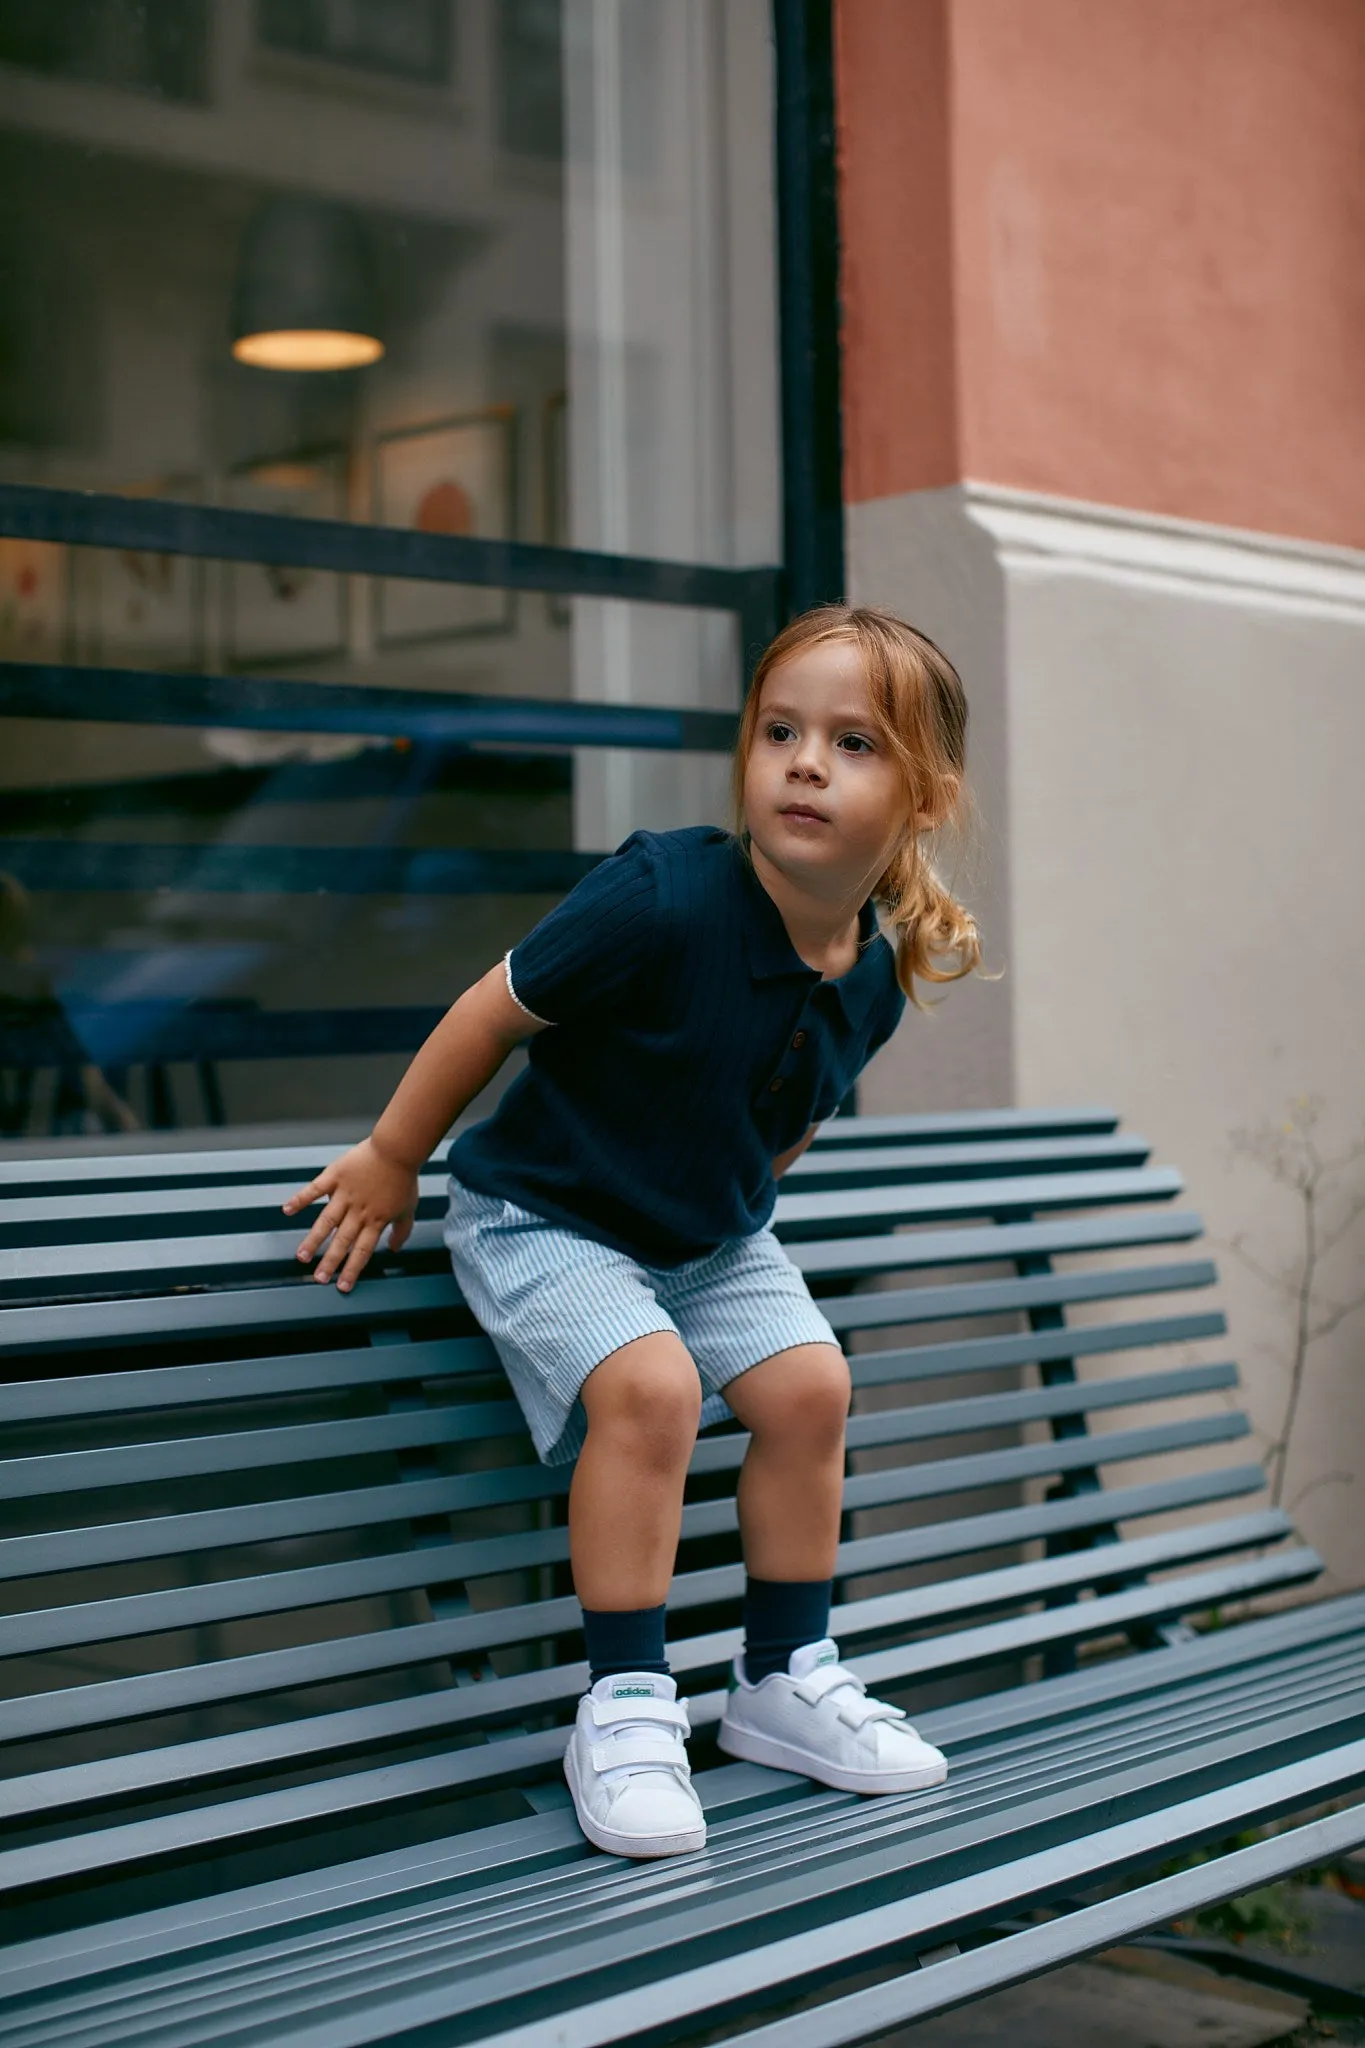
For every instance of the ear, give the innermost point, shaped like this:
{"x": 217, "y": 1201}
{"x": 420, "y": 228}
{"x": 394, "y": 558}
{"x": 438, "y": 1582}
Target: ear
{"x": 950, "y": 788}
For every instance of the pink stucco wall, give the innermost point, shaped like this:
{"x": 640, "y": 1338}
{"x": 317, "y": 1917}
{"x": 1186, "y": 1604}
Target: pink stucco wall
{"x": 1113, "y": 249}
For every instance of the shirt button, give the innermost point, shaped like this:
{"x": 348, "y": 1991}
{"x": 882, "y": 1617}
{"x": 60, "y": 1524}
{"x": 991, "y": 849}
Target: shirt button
{"x": 773, "y": 1086}
{"x": 798, "y": 1041}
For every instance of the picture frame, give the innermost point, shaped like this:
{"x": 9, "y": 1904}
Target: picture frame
{"x": 135, "y": 607}
{"x": 455, "y": 475}
{"x": 277, "y": 617}
{"x": 35, "y": 600}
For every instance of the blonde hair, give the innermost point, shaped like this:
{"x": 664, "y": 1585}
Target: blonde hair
{"x": 919, "y": 707}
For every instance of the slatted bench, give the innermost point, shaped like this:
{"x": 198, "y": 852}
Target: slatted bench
{"x": 289, "y": 1646}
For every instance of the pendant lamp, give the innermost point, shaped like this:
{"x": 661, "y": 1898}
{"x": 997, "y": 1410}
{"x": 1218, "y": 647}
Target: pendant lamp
{"x": 304, "y": 297}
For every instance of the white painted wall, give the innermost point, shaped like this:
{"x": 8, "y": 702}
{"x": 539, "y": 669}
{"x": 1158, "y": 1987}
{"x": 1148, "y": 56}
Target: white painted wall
{"x": 1168, "y": 739}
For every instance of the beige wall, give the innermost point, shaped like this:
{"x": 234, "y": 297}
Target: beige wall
{"x": 1184, "y": 842}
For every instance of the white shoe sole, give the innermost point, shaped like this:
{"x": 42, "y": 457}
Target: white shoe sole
{"x": 685, "y": 1842}
{"x": 753, "y": 1748}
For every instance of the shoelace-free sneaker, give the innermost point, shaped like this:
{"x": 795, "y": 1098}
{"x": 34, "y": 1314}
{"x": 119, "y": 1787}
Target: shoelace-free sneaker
{"x": 815, "y": 1718}
{"x": 627, "y": 1768}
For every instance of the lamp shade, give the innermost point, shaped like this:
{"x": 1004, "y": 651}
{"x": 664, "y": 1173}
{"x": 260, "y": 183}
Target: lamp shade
{"x": 304, "y": 296}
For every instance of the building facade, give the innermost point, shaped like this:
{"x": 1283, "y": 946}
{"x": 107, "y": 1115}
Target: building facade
{"x": 1103, "y": 271}
{"x": 659, "y": 319}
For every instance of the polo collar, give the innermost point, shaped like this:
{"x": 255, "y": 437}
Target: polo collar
{"x": 771, "y": 953}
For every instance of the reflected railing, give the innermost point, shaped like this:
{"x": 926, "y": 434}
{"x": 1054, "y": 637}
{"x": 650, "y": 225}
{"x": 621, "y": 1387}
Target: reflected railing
{"x": 418, "y": 740}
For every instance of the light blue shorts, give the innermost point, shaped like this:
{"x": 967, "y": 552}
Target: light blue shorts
{"x": 556, "y": 1304}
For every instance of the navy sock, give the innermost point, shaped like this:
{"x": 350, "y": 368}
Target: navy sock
{"x": 779, "y": 1616}
{"x": 629, "y": 1640}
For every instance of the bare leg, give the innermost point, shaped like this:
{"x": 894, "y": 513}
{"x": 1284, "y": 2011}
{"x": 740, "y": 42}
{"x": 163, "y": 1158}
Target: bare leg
{"x": 791, "y": 1484}
{"x": 625, "y": 1503}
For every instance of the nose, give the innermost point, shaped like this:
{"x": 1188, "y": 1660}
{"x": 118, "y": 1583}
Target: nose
{"x": 808, "y": 763}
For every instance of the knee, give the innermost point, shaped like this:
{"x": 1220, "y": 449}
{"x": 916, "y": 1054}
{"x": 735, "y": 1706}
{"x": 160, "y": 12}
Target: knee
{"x": 651, "y": 1406}
{"x": 810, "y": 1410}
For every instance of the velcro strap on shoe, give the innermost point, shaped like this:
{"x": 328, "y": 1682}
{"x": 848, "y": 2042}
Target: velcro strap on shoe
{"x": 812, "y": 1689}
{"x": 644, "y": 1751}
{"x": 857, "y": 1713}
{"x": 648, "y": 1712}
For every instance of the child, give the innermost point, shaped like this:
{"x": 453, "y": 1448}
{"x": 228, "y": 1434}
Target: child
{"x": 695, "y": 1008}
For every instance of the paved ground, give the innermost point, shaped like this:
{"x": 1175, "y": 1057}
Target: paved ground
{"x": 1131, "y": 2000}
{"x": 1135, "y": 1998}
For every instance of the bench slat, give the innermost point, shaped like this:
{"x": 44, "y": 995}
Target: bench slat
{"x": 288, "y": 1305}
{"x": 64, "y": 1550}
{"x": 929, "y": 1127}
{"x": 852, "y": 1165}
{"x": 174, "y": 1166}
{"x": 1034, "y": 1347}
{"x": 140, "y": 1464}
{"x": 809, "y": 1215}
{"x": 243, "y": 1379}
{"x": 143, "y": 1211}
{"x": 240, "y": 1379}
{"x": 253, "y": 1449}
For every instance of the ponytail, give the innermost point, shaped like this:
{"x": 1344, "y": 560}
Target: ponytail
{"x": 927, "y": 925}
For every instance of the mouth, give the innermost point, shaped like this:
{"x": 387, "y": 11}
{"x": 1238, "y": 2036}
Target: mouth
{"x": 805, "y": 811}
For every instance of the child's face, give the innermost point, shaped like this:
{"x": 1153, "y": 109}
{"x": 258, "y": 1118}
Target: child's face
{"x": 823, "y": 797}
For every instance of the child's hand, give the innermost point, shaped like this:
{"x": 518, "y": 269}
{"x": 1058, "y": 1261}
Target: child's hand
{"x": 365, "y": 1191}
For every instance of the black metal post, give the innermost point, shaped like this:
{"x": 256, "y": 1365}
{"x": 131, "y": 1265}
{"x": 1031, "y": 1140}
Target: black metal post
{"x": 808, "y": 303}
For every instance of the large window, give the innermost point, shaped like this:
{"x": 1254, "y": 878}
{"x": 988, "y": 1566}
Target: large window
{"x": 479, "y": 296}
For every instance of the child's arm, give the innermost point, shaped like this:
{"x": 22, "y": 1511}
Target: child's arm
{"x": 785, "y": 1159}
{"x": 375, "y": 1183}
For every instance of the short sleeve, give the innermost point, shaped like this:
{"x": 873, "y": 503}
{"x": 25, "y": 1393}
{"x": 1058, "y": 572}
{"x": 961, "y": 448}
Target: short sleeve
{"x": 889, "y": 1011}
{"x": 595, "y": 946}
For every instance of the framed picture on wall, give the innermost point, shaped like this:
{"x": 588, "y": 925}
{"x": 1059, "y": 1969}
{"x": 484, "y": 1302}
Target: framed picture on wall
{"x": 136, "y": 608}
{"x": 34, "y": 600}
{"x": 451, "y": 476}
{"x": 275, "y": 616}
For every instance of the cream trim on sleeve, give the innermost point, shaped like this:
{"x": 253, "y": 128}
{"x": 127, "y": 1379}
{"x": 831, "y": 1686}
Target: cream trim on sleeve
{"x": 507, "y": 970}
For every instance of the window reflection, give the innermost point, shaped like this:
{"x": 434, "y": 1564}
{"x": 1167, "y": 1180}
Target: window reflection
{"x": 532, "y": 241}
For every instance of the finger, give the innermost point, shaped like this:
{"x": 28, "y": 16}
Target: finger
{"x": 359, "y": 1257}
{"x": 331, "y": 1216}
{"x": 399, "y": 1233}
{"x": 338, "y": 1249}
{"x": 314, "y": 1192}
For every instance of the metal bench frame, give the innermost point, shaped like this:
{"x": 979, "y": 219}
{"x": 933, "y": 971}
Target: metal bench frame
{"x": 294, "y": 1646}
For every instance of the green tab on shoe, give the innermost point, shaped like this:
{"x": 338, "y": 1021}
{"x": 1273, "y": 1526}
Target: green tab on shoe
{"x": 632, "y": 1692}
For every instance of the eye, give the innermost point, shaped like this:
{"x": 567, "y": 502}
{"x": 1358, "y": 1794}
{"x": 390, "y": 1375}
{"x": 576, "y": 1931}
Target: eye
{"x": 780, "y": 732}
{"x": 857, "y": 743}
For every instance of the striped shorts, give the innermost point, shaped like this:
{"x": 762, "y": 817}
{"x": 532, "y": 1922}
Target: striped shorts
{"x": 556, "y": 1304}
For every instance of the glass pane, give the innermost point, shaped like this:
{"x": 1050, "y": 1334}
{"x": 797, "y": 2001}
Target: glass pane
{"x": 501, "y": 269}
{"x": 174, "y": 898}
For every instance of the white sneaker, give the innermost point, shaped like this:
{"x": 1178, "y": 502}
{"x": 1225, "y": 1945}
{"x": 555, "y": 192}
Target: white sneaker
{"x": 627, "y": 1768}
{"x": 815, "y": 1718}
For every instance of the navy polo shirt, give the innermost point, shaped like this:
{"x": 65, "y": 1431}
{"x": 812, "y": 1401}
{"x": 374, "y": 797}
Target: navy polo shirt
{"x": 691, "y": 1045}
